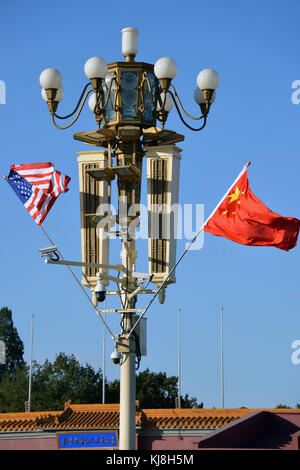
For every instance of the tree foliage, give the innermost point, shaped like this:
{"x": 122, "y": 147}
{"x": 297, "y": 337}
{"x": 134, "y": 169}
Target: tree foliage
{"x": 156, "y": 390}
{"x": 13, "y": 344}
{"x": 65, "y": 379}
{"x": 14, "y": 390}
{"x": 54, "y": 383}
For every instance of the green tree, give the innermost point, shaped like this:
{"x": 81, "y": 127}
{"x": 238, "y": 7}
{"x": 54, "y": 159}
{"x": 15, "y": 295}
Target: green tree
{"x": 13, "y": 344}
{"x": 112, "y": 392}
{"x": 14, "y": 390}
{"x": 153, "y": 390}
{"x": 64, "y": 379}
{"x": 156, "y": 390}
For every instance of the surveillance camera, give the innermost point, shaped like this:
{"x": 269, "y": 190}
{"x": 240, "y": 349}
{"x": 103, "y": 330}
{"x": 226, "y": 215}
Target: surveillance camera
{"x": 116, "y": 357}
{"x": 51, "y": 252}
{"x": 100, "y": 290}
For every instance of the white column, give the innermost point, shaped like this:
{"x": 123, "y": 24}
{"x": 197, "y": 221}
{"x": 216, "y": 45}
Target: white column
{"x": 127, "y": 403}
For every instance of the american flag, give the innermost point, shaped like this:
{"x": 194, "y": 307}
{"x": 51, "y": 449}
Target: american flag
{"x": 37, "y": 185}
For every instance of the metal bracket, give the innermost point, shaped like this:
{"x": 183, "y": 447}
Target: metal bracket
{"x": 117, "y": 267}
{"x": 121, "y": 310}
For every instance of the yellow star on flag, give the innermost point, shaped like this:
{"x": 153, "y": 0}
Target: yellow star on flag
{"x": 234, "y": 196}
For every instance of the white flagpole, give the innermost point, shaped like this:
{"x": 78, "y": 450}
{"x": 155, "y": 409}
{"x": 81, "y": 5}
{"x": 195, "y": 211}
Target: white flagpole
{"x": 179, "y": 358}
{"x": 187, "y": 249}
{"x": 30, "y": 369}
{"x": 78, "y": 282}
{"x": 222, "y": 363}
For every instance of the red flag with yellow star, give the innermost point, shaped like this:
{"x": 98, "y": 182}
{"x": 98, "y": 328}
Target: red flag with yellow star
{"x": 243, "y": 218}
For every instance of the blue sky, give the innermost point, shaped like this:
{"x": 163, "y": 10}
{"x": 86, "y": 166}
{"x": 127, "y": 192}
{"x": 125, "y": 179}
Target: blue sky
{"x": 254, "y": 47}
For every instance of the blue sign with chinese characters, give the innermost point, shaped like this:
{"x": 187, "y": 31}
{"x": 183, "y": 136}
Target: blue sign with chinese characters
{"x": 88, "y": 440}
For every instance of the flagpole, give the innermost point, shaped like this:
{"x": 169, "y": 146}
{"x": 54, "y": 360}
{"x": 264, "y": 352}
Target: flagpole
{"x": 179, "y": 359}
{"x": 30, "y": 369}
{"x": 187, "y": 249}
{"x": 77, "y": 281}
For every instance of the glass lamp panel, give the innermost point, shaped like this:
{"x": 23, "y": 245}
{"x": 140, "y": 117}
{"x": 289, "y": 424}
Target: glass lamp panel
{"x": 148, "y": 106}
{"x": 129, "y": 82}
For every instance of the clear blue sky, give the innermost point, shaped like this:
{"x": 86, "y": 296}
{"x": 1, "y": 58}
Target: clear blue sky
{"x": 255, "y": 48}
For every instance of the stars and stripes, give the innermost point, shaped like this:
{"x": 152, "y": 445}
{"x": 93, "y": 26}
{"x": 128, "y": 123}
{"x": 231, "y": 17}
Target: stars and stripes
{"x": 37, "y": 185}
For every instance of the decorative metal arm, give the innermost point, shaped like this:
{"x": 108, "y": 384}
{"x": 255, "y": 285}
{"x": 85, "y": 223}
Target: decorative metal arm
{"x": 182, "y": 109}
{"x": 141, "y": 89}
{"x": 77, "y": 106}
{"x": 114, "y": 79}
{"x": 204, "y": 116}
{"x": 99, "y": 106}
{"x": 77, "y": 115}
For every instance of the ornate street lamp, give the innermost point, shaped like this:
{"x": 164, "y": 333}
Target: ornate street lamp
{"x": 128, "y": 94}
{"x": 131, "y": 102}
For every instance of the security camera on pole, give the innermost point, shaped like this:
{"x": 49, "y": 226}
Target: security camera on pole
{"x": 131, "y": 102}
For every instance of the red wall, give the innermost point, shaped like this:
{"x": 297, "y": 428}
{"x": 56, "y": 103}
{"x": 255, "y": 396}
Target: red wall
{"x": 168, "y": 443}
{"x": 29, "y": 444}
{"x": 143, "y": 443}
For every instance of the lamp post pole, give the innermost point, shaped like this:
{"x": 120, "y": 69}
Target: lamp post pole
{"x": 127, "y": 439}
{"x": 104, "y": 361}
{"x": 127, "y": 394}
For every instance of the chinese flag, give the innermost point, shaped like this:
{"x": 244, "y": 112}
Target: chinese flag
{"x": 244, "y": 219}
